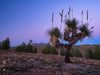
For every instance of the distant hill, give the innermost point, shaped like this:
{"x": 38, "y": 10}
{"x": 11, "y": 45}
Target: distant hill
{"x": 39, "y": 44}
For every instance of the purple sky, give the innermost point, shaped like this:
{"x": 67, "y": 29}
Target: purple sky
{"x": 22, "y": 20}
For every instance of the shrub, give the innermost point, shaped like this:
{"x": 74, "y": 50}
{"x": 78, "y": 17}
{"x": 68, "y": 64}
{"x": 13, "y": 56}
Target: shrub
{"x": 46, "y": 50}
{"x": 97, "y": 53}
{"x": 76, "y": 52}
{"x": 35, "y": 50}
{"x": 5, "y": 44}
{"x": 62, "y": 52}
{"x": 89, "y": 54}
{"x": 21, "y": 47}
{"x": 49, "y": 50}
{"x": 71, "y": 54}
{"x": 29, "y": 48}
{"x": 0, "y": 45}
{"x": 53, "y": 51}
{"x": 25, "y": 48}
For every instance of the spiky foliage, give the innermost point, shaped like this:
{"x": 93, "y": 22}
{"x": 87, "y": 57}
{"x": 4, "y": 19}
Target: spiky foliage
{"x": 71, "y": 23}
{"x": 85, "y": 29}
{"x": 55, "y": 32}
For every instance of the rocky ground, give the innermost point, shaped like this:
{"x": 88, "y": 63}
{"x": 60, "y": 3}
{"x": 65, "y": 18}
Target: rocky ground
{"x": 18, "y": 63}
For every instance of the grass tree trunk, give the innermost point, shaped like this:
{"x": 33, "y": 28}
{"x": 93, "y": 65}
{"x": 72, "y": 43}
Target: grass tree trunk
{"x": 67, "y": 54}
{"x": 67, "y": 57}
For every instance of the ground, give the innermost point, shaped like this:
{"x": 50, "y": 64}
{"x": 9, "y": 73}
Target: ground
{"x": 18, "y": 63}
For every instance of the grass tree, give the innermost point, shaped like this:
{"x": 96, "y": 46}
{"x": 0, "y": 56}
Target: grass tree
{"x": 72, "y": 34}
{"x": 55, "y": 34}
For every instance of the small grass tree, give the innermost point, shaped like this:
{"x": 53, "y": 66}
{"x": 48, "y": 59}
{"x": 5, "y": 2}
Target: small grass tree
{"x": 55, "y": 34}
{"x": 71, "y": 35}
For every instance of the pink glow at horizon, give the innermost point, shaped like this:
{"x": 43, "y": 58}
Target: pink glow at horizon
{"x": 23, "y": 20}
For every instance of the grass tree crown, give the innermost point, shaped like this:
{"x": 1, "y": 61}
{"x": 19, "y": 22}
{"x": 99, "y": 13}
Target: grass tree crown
{"x": 55, "y": 32}
{"x": 85, "y": 30}
{"x": 71, "y": 23}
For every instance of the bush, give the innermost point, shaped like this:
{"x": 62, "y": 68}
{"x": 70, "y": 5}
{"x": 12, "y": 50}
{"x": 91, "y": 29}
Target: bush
{"x": 76, "y": 52}
{"x": 35, "y": 50}
{"x": 89, "y": 54}
{"x": 97, "y": 53}
{"x": 71, "y": 54}
{"x": 49, "y": 50}
{"x": 0, "y": 45}
{"x": 21, "y": 48}
{"x": 62, "y": 52}
{"x": 25, "y": 48}
{"x": 29, "y": 48}
{"x": 5, "y": 44}
{"x": 53, "y": 51}
{"x": 46, "y": 50}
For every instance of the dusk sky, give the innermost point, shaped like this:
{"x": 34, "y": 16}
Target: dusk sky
{"x": 23, "y": 20}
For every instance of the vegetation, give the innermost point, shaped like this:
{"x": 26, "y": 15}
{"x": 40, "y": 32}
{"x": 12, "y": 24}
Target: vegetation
{"x": 49, "y": 50}
{"x": 25, "y": 48}
{"x": 84, "y": 29}
{"x": 72, "y": 34}
{"x": 76, "y": 52}
{"x": 55, "y": 32}
{"x": 16, "y": 68}
{"x": 62, "y": 52}
{"x": 97, "y": 53}
{"x": 0, "y": 45}
{"x": 5, "y": 44}
{"x": 71, "y": 23}
{"x": 35, "y": 50}
{"x": 29, "y": 47}
{"x": 89, "y": 54}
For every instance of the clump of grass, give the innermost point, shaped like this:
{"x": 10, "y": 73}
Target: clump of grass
{"x": 59, "y": 65}
{"x": 48, "y": 63}
{"x": 15, "y": 68}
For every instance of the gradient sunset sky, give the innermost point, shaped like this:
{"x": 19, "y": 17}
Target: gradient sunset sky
{"x": 22, "y": 20}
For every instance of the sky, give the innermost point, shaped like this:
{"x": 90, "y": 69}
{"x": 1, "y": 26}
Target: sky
{"x": 23, "y": 20}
